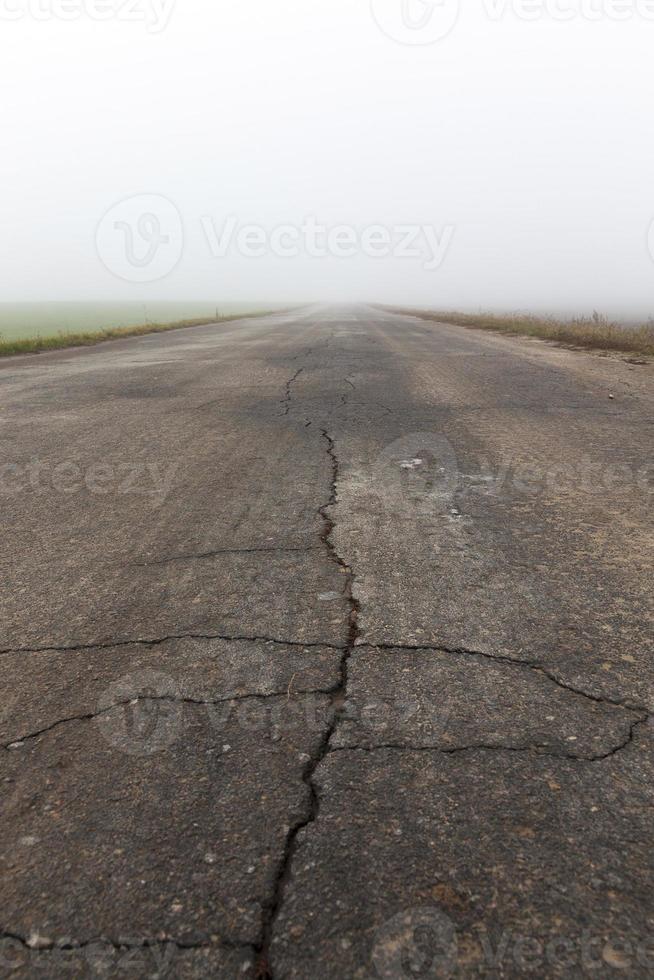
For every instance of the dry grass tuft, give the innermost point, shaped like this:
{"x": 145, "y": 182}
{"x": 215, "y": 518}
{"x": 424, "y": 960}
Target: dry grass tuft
{"x": 595, "y": 332}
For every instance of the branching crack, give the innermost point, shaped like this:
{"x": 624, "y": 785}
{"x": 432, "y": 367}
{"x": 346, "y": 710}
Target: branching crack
{"x": 536, "y": 666}
{"x": 273, "y": 907}
{"x": 535, "y": 748}
{"x": 544, "y": 749}
{"x": 326, "y": 538}
{"x": 171, "y": 699}
{"x": 110, "y": 644}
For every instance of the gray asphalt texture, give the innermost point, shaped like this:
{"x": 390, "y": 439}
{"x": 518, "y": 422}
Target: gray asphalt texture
{"x": 327, "y": 652}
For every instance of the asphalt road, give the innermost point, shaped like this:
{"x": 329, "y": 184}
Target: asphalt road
{"x": 327, "y": 649}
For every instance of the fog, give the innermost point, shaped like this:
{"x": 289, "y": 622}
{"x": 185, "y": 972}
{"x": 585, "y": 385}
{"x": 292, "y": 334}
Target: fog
{"x": 496, "y": 155}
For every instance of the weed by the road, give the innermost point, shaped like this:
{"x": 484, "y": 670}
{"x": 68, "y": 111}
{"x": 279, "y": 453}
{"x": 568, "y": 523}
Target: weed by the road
{"x": 37, "y": 345}
{"x": 595, "y": 332}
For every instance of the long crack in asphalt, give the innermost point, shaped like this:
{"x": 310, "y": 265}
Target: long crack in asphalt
{"x": 338, "y": 695}
{"x": 271, "y": 910}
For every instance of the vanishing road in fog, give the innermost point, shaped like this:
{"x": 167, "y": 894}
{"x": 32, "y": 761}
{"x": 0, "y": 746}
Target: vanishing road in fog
{"x": 327, "y": 648}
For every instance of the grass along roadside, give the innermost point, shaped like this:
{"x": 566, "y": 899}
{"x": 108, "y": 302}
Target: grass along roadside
{"x": 595, "y": 332}
{"x": 38, "y": 345}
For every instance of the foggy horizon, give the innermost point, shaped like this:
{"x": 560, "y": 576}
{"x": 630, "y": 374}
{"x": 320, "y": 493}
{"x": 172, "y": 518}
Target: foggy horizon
{"x": 517, "y": 149}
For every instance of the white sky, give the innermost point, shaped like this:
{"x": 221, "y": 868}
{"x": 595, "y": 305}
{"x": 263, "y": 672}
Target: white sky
{"x": 531, "y": 140}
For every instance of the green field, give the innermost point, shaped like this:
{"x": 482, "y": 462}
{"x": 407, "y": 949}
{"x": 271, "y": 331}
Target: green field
{"x": 20, "y": 321}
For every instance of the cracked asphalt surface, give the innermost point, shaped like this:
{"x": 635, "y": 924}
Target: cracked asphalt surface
{"x": 327, "y": 644}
